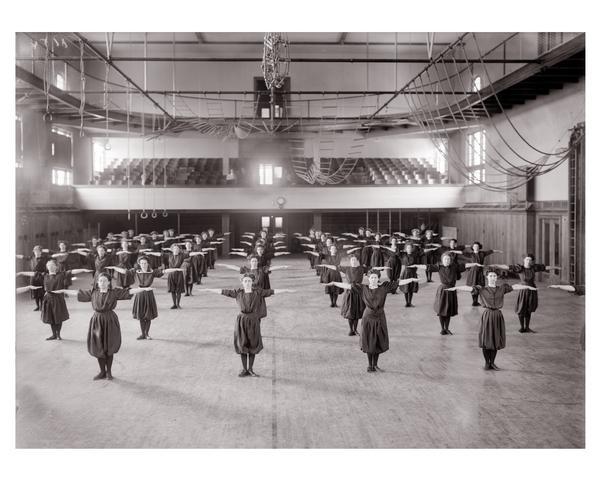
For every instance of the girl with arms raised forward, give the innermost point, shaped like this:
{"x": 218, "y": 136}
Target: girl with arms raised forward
{"x": 247, "y": 339}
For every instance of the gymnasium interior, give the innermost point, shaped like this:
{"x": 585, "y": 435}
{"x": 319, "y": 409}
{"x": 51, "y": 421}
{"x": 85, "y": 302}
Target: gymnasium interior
{"x": 478, "y": 136}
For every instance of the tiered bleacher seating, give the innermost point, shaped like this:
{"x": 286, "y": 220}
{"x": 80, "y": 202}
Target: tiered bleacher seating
{"x": 208, "y": 171}
{"x": 392, "y": 171}
{"x": 402, "y": 171}
{"x": 179, "y": 171}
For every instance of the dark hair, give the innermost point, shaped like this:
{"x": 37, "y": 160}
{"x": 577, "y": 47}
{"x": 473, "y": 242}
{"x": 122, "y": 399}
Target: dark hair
{"x": 352, "y": 256}
{"x": 531, "y": 255}
{"x": 477, "y": 243}
{"x": 143, "y": 257}
{"x": 489, "y": 270}
{"x": 105, "y": 275}
{"x": 372, "y": 271}
{"x": 249, "y": 275}
{"x": 452, "y": 240}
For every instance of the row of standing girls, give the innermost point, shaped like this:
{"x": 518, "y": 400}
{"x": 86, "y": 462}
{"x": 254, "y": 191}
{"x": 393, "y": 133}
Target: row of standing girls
{"x": 449, "y": 261}
{"x": 360, "y": 301}
{"x": 51, "y": 276}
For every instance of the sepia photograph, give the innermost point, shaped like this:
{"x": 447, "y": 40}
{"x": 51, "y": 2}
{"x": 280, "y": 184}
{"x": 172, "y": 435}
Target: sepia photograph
{"x": 305, "y": 240}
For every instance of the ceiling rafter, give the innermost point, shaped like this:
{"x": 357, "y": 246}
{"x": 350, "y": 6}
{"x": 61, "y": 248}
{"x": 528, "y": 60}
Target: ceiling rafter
{"x": 124, "y": 75}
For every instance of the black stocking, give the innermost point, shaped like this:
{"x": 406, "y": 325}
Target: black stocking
{"x": 178, "y": 299}
{"x": 375, "y": 359}
{"x": 174, "y": 297}
{"x": 190, "y": 286}
{"x": 244, "y": 362}
{"x": 406, "y": 298}
{"x": 493, "y": 356}
{"x": 522, "y": 322}
{"x": 250, "y": 360}
{"x": 57, "y": 327}
{"x": 53, "y": 336}
{"x": 109, "y": 362}
{"x": 527, "y": 320}
{"x": 102, "y": 374}
{"x": 355, "y": 325}
{"x": 143, "y": 327}
{"x": 370, "y": 358}
{"x": 486, "y": 356}
{"x": 410, "y": 295}
{"x": 331, "y": 299}
{"x": 447, "y": 325}
{"x": 351, "y": 325}
{"x": 147, "y": 331}
{"x": 442, "y": 323}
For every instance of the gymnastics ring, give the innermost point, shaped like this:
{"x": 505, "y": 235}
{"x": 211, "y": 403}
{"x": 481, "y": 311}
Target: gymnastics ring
{"x": 154, "y": 214}
{"x": 144, "y": 215}
{"x": 165, "y": 214}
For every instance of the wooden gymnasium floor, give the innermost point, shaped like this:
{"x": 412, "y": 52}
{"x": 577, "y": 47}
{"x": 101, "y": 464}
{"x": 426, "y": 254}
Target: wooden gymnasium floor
{"x": 181, "y": 390}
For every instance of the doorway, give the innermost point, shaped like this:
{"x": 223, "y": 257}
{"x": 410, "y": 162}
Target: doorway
{"x": 550, "y": 246}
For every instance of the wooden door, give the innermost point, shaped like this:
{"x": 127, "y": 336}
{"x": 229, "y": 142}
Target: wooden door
{"x": 550, "y": 247}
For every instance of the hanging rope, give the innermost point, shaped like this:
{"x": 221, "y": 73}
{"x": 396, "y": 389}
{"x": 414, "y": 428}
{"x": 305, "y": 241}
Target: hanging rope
{"x": 469, "y": 66}
{"x": 144, "y": 214}
{"x": 165, "y": 214}
{"x": 128, "y": 103}
{"x": 106, "y": 103}
{"x": 153, "y": 160}
{"x": 109, "y": 42}
{"x": 46, "y": 81}
{"x": 491, "y": 84}
{"x": 82, "y": 89}
{"x": 433, "y": 121}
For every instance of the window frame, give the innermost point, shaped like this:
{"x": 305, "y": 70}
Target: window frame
{"x": 476, "y": 147}
{"x": 266, "y": 173}
{"x": 61, "y": 177}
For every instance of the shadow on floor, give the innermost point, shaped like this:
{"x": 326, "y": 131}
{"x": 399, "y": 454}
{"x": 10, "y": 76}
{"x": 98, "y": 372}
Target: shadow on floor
{"x": 190, "y": 343}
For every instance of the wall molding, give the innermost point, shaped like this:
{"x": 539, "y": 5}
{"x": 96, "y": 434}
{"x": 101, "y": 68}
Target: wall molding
{"x": 539, "y": 206}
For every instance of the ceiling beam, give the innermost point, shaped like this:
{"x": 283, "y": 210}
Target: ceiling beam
{"x": 526, "y": 73}
{"x": 111, "y": 61}
{"x": 256, "y": 42}
{"x": 53, "y": 92}
{"x": 292, "y": 60}
{"x": 291, "y": 92}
